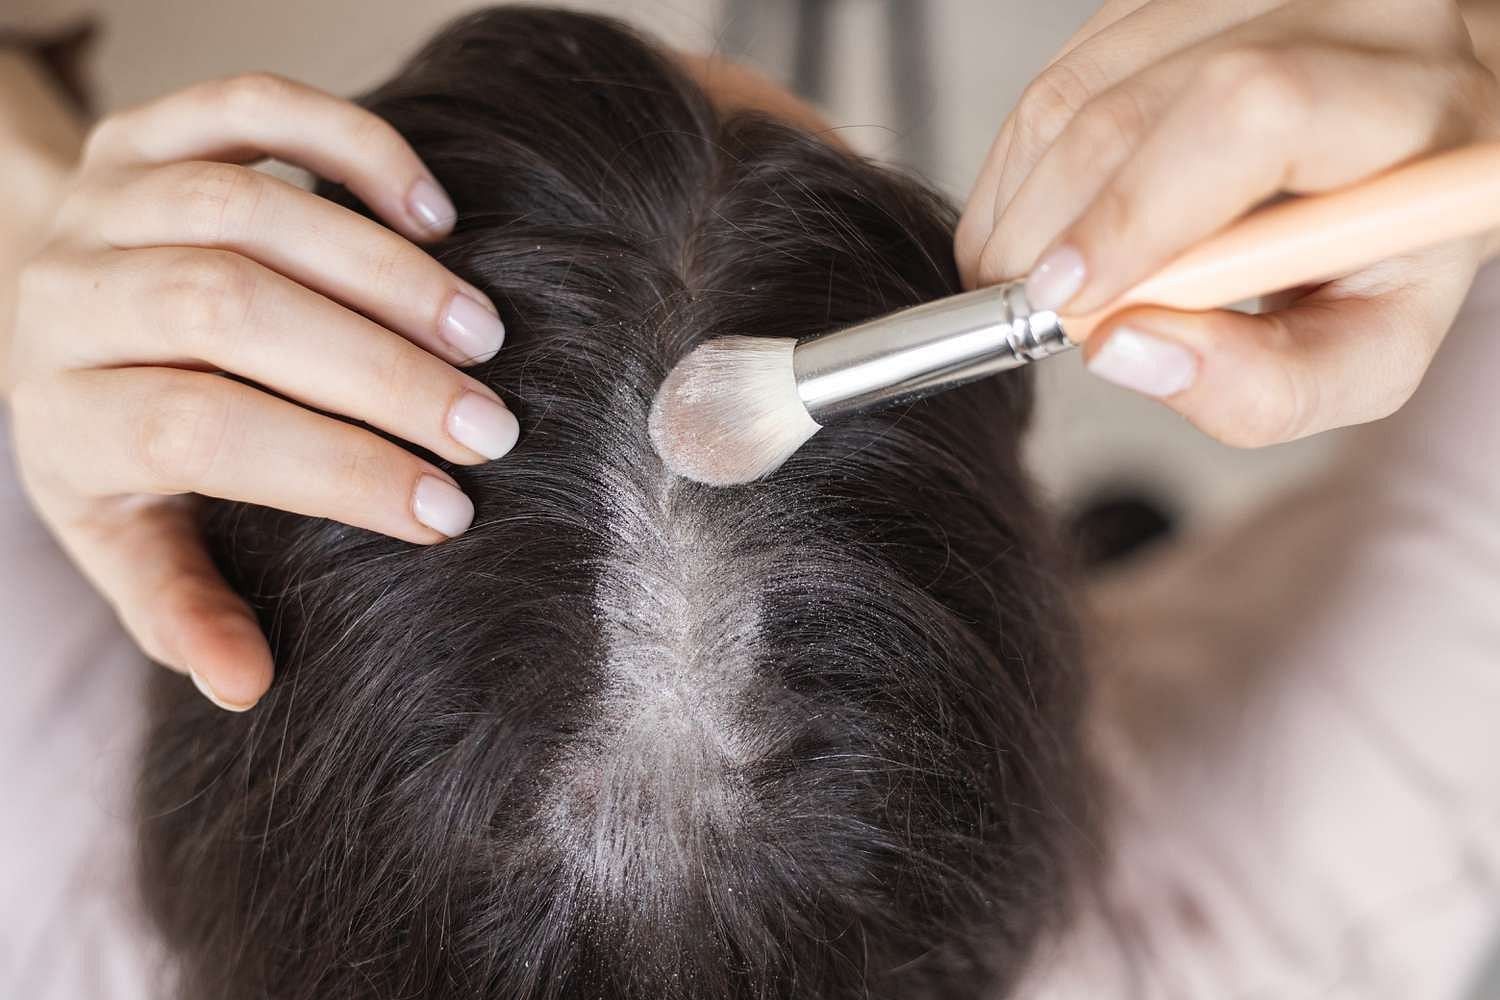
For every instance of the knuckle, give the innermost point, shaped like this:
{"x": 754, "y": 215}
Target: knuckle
{"x": 1281, "y": 408}
{"x": 1289, "y": 409}
{"x": 393, "y": 374}
{"x": 1273, "y": 399}
{"x": 251, "y": 96}
{"x": 1049, "y": 104}
{"x": 367, "y": 130}
{"x": 392, "y": 265}
{"x": 216, "y": 200}
{"x": 179, "y": 433}
{"x": 367, "y": 475}
{"x": 205, "y": 294}
{"x": 1115, "y": 122}
{"x": 103, "y": 135}
{"x": 1258, "y": 88}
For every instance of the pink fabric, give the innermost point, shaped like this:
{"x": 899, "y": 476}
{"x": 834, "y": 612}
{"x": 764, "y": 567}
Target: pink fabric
{"x": 70, "y": 723}
{"x": 1296, "y": 720}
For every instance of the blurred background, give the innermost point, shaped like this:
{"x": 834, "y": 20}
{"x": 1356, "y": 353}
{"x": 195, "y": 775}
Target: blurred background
{"x": 924, "y": 83}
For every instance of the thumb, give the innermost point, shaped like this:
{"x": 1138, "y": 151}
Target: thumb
{"x": 146, "y": 556}
{"x": 1251, "y": 381}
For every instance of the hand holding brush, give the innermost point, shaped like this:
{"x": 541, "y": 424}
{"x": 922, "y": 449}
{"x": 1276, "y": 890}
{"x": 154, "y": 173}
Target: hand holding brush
{"x": 1376, "y": 127}
{"x": 1163, "y": 122}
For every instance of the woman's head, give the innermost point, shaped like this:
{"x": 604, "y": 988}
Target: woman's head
{"x": 631, "y": 736}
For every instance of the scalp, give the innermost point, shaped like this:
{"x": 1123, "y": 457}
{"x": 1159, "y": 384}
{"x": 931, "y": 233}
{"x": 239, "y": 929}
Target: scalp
{"x": 657, "y": 783}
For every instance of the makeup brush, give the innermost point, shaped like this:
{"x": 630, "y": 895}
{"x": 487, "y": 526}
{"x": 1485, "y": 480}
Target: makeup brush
{"x": 736, "y": 408}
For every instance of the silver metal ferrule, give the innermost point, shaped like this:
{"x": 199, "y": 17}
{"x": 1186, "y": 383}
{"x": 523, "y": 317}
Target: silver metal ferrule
{"x": 923, "y": 350}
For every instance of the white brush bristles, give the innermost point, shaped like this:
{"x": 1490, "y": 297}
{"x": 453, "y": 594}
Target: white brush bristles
{"x": 729, "y": 412}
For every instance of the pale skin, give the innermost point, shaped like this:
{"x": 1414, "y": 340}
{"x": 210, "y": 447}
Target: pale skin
{"x": 141, "y": 257}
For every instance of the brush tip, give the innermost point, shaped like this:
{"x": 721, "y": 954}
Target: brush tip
{"x": 729, "y": 412}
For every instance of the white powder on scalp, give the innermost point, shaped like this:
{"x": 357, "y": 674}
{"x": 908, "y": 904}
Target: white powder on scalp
{"x": 654, "y": 781}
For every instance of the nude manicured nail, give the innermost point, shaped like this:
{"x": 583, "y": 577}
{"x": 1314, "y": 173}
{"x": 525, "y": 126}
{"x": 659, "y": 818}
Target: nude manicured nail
{"x": 479, "y": 297}
{"x": 483, "y": 425}
{"x": 1144, "y": 363}
{"x": 442, "y": 506}
{"x": 208, "y": 692}
{"x": 1056, "y": 278}
{"x": 430, "y": 207}
{"x": 472, "y": 330}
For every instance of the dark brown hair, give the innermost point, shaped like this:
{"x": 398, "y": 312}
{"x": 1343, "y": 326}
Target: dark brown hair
{"x": 632, "y": 737}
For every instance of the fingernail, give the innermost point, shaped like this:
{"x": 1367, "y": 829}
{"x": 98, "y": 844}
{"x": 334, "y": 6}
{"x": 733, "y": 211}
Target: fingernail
{"x": 1056, "y": 278}
{"x": 472, "y": 330}
{"x": 442, "y": 506}
{"x": 429, "y": 205}
{"x": 479, "y": 297}
{"x": 208, "y": 692}
{"x": 484, "y": 425}
{"x": 1144, "y": 363}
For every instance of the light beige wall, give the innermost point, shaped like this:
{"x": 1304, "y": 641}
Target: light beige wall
{"x": 343, "y": 45}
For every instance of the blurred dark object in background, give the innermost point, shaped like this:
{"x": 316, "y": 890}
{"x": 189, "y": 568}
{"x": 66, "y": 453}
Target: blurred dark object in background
{"x": 62, "y": 53}
{"x": 1112, "y": 525}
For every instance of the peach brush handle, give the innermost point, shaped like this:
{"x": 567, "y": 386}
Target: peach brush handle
{"x": 1314, "y": 238}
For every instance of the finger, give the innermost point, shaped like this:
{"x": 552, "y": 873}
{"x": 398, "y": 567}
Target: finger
{"x": 1070, "y": 174}
{"x": 149, "y": 561}
{"x": 216, "y": 310}
{"x": 1121, "y": 41}
{"x": 249, "y": 117}
{"x": 1148, "y": 35}
{"x": 312, "y": 241}
{"x": 1256, "y": 123}
{"x": 1110, "y": 13}
{"x": 1161, "y": 43}
{"x": 166, "y": 431}
{"x": 1350, "y": 353}
{"x": 978, "y": 218}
